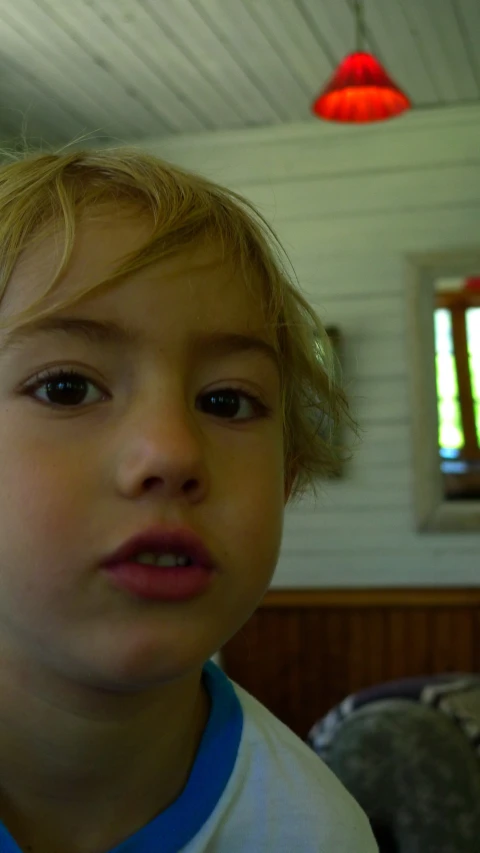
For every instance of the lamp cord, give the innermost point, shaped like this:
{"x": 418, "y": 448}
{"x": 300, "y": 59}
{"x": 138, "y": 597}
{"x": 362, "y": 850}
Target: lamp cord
{"x": 360, "y": 20}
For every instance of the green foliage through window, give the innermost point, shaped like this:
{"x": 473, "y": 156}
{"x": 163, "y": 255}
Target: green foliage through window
{"x": 449, "y": 411}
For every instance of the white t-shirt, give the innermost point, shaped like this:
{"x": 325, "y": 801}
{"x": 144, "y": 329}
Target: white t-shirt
{"x": 255, "y": 787}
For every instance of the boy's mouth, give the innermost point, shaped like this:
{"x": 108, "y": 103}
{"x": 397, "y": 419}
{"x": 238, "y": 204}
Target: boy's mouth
{"x": 166, "y": 564}
{"x": 160, "y": 546}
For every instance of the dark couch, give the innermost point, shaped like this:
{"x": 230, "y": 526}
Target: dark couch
{"x": 409, "y": 752}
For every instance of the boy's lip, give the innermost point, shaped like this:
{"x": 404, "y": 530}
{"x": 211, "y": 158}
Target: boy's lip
{"x": 163, "y": 540}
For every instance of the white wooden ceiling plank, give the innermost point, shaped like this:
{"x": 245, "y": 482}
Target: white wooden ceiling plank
{"x": 9, "y": 133}
{"x": 18, "y": 127}
{"x": 30, "y": 130}
{"x": 19, "y": 114}
{"x": 255, "y": 52}
{"x": 468, "y": 16}
{"x": 403, "y": 58}
{"x": 207, "y": 87}
{"x": 212, "y": 55}
{"x": 447, "y": 24}
{"x": 294, "y": 40}
{"x": 152, "y": 99}
{"x": 39, "y": 109}
{"x": 149, "y": 31}
{"x": 332, "y": 23}
{"x": 27, "y": 36}
{"x": 440, "y": 37}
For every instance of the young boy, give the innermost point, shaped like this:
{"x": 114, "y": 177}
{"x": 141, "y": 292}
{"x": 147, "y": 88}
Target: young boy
{"x": 160, "y": 396}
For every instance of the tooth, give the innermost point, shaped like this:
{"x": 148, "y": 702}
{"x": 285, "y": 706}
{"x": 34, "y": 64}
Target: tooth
{"x": 146, "y": 559}
{"x": 165, "y": 560}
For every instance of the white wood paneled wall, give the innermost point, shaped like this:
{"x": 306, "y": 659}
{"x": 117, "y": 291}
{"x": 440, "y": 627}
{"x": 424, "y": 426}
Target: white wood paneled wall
{"x": 348, "y": 204}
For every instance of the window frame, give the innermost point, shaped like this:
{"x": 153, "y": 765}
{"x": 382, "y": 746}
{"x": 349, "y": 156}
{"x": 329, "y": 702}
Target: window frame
{"x": 433, "y": 513}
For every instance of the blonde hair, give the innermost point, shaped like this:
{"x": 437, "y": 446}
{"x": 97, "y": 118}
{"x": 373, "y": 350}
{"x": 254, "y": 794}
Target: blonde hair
{"x": 39, "y": 191}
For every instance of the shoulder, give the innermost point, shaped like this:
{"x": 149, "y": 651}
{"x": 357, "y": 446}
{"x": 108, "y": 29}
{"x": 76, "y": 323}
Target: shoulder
{"x": 299, "y": 783}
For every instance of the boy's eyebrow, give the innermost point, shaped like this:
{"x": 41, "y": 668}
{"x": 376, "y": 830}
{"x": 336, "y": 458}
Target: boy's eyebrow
{"x": 109, "y": 333}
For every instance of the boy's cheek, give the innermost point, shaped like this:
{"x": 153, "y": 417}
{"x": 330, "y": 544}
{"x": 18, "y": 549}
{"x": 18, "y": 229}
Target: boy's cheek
{"x": 254, "y": 516}
{"x": 39, "y": 498}
{"x": 42, "y": 523}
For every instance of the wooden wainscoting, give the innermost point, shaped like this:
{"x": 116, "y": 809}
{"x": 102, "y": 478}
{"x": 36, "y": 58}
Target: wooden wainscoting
{"x": 303, "y": 651}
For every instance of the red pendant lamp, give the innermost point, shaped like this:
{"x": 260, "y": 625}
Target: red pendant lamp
{"x": 360, "y": 90}
{"x": 473, "y": 284}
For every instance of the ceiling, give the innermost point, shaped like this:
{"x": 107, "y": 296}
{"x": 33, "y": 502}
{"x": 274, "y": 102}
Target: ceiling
{"x": 135, "y": 69}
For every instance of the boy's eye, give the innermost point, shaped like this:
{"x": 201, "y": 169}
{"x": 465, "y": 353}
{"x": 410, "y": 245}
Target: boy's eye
{"x": 65, "y": 388}
{"x": 69, "y": 388}
{"x": 232, "y": 403}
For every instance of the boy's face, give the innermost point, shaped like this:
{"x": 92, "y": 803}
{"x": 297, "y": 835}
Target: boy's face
{"x": 139, "y": 448}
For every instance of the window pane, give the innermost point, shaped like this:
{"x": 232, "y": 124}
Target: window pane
{"x": 475, "y": 377}
{"x": 447, "y": 385}
{"x": 473, "y": 337}
{"x": 473, "y": 331}
{"x": 443, "y": 330}
{"x": 450, "y": 430}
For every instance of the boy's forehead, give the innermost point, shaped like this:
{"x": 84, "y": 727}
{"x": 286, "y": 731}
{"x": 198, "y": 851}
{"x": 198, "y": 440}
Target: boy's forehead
{"x": 39, "y": 261}
{"x": 100, "y": 245}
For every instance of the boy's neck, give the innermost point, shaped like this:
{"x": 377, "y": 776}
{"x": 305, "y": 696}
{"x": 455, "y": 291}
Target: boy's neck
{"x": 58, "y": 807}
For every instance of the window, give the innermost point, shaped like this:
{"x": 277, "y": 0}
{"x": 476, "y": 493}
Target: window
{"x": 457, "y": 368}
{"x": 443, "y": 349}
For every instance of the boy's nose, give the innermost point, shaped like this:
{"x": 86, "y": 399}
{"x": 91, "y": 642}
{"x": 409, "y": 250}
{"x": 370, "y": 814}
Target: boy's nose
{"x": 164, "y": 452}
